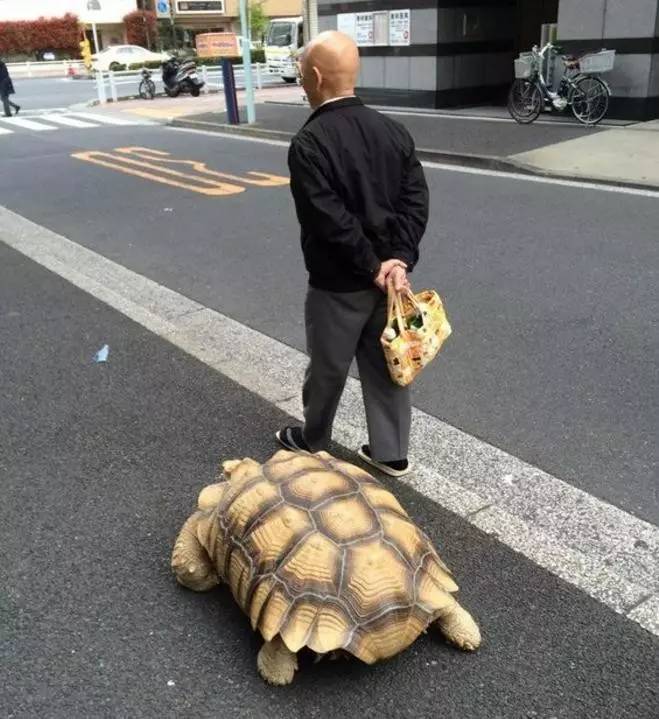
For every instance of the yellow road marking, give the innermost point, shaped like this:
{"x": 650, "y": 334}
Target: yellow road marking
{"x": 267, "y": 180}
{"x": 158, "y": 113}
{"x": 150, "y": 165}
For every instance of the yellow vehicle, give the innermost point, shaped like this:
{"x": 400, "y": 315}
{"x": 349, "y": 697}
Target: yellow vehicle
{"x": 283, "y": 41}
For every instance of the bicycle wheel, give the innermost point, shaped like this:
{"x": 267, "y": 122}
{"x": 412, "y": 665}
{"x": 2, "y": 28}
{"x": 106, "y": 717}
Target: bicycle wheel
{"x": 525, "y": 101}
{"x": 147, "y": 90}
{"x": 590, "y": 100}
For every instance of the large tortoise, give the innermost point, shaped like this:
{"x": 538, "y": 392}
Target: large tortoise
{"x": 318, "y": 554}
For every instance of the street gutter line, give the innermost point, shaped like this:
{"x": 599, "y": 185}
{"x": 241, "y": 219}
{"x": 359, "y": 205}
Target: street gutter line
{"x": 449, "y": 167}
{"x": 606, "y": 552}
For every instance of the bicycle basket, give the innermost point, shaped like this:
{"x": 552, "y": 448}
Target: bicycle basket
{"x": 524, "y": 66}
{"x": 598, "y": 62}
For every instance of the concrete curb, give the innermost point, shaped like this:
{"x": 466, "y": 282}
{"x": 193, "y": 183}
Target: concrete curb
{"x": 482, "y": 162}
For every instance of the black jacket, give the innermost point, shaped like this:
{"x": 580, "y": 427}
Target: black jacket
{"x": 360, "y": 194}
{"x": 6, "y": 86}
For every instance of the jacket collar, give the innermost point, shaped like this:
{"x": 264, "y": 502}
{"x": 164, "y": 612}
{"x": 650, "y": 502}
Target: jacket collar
{"x": 331, "y": 106}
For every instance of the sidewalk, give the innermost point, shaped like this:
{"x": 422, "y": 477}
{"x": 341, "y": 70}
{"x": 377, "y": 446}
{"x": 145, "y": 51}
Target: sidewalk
{"x": 167, "y": 109}
{"x": 612, "y": 153}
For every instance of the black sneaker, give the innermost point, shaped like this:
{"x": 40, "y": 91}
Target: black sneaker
{"x": 17, "y": 109}
{"x": 291, "y": 438}
{"x": 399, "y": 468}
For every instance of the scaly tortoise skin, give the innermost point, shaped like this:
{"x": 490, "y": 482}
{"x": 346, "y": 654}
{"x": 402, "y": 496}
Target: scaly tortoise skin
{"x": 318, "y": 554}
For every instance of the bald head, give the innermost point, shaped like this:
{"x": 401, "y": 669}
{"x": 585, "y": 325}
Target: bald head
{"x": 330, "y": 65}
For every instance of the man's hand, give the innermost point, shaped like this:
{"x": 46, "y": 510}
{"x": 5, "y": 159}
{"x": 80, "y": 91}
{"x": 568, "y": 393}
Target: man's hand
{"x": 399, "y": 276}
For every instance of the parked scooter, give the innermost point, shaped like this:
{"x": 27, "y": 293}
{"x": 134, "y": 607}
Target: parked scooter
{"x": 181, "y": 77}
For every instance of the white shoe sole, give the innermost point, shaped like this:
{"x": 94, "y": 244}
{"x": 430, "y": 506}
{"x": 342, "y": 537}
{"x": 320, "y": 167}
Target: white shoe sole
{"x": 287, "y": 445}
{"x": 383, "y": 467}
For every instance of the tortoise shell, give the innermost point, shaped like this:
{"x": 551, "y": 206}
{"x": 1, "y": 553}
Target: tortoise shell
{"x": 318, "y": 551}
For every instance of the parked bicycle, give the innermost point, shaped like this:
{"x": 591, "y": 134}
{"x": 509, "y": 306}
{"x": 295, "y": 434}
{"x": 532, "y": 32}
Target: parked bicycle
{"x": 147, "y": 87}
{"x": 580, "y": 87}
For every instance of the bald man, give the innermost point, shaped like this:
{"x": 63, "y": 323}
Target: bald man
{"x": 362, "y": 203}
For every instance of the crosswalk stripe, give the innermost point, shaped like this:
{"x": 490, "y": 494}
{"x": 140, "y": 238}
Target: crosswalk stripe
{"x": 106, "y": 119}
{"x": 27, "y": 124}
{"x": 68, "y": 121}
{"x": 5, "y": 131}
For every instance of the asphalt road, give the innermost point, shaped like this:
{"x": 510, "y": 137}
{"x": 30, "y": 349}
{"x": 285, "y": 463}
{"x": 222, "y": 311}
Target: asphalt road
{"x": 60, "y": 92}
{"x": 475, "y": 136}
{"x": 550, "y": 289}
{"x": 100, "y": 465}
{"x": 46, "y": 93}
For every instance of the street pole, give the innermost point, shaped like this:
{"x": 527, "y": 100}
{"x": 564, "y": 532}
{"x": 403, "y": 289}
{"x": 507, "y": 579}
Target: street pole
{"x": 171, "y": 19}
{"x": 247, "y": 62}
{"x": 95, "y": 37}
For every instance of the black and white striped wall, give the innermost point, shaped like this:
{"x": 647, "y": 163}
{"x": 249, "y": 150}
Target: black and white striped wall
{"x": 461, "y": 51}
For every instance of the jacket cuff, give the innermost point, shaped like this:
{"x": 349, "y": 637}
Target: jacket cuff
{"x": 404, "y": 257}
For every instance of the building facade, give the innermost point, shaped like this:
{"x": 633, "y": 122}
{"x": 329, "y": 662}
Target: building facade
{"x": 224, "y": 15}
{"x": 442, "y": 53}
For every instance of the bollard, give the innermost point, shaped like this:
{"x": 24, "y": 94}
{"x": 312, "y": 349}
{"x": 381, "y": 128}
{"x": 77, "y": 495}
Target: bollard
{"x": 259, "y": 80}
{"x": 204, "y": 77}
{"x": 230, "y": 97}
{"x": 100, "y": 88}
{"x": 113, "y": 88}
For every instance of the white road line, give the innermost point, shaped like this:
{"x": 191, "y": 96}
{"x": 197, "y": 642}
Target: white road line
{"x": 68, "y": 121}
{"x": 108, "y": 119}
{"x": 583, "y": 185}
{"x": 28, "y": 124}
{"x": 6, "y": 131}
{"x": 602, "y": 550}
{"x": 43, "y": 110}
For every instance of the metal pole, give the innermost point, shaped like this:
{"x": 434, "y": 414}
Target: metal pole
{"x": 95, "y": 37}
{"x": 171, "y": 19}
{"x": 247, "y": 63}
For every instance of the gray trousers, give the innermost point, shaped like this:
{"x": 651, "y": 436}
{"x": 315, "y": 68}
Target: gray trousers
{"x": 341, "y": 326}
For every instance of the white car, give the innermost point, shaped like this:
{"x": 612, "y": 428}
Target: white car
{"x": 113, "y": 57}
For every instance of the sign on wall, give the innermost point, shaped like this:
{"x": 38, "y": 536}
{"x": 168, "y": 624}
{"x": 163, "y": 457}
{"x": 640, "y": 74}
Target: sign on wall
{"x": 399, "y": 27}
{"x": 364, "y": 29}
{"x": 200, "y": 6}
{"x": 370, "y": 29}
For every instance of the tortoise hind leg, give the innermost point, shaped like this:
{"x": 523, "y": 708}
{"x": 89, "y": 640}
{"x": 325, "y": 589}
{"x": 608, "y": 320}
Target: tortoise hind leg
{"x": 276, "y": 663}
{"x": 190, "y": 561}
{"x": 459, "y": 627}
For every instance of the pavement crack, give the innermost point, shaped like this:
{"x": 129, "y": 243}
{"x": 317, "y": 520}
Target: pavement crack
{"x": 638, "y": 603}
{"x": 469, "y": 515}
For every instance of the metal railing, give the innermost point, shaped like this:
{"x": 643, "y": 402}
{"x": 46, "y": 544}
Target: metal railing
{"x": 110, "y": 85}
{"x": 45, "y": 68}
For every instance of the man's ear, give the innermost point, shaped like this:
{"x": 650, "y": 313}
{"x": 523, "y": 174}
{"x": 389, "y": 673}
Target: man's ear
{"x": 319, "y": 77}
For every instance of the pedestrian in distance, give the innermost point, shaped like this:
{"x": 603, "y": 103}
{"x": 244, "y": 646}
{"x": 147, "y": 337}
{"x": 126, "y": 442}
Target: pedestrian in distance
{"x": 362, "y": 203}
{"x": 7, "y": 89}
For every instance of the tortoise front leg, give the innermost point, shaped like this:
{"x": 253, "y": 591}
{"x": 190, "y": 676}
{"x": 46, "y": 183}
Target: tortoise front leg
{"x": 190, "y": 561}
{"x": 459, "y": 627}
{"x": 276, "y": 663}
